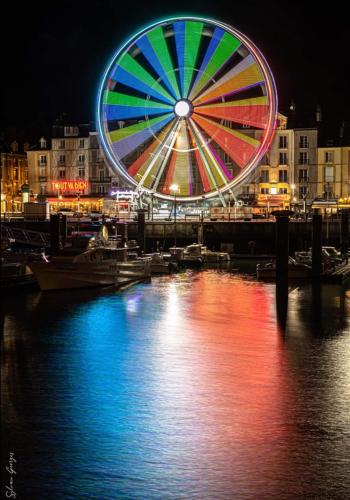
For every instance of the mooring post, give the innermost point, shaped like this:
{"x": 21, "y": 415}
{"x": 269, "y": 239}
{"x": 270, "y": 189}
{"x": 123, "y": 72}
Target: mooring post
{"x": 141, "y": 228}
{"x": 282, "y": 244}
{"x": 344, "y": 232}
{"x": 282, "y": 257}
{"x": 63, "y": 229}
{"x": 54, "y": 233}
{"x": 316, "y": 244}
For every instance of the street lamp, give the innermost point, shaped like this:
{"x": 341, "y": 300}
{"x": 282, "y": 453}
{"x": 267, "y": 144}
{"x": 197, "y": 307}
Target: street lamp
{"x": 174, "y": 188}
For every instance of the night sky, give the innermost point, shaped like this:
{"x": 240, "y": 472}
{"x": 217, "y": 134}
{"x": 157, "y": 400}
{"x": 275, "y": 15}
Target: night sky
{"x": 54, "y": 53}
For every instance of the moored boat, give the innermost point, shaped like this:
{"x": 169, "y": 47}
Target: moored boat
{"x": 296, "y": 270}
{"x": 94, "y": 267}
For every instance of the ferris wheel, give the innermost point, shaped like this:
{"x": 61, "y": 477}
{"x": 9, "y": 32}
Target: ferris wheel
{"x": 187, "y": 104}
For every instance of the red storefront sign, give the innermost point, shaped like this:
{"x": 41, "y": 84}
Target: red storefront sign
{"x": 63, "y": 186}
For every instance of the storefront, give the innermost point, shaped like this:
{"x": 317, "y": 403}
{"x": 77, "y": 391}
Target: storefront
{"x": 267, "y": 203}
{"x": 79, "y": 204}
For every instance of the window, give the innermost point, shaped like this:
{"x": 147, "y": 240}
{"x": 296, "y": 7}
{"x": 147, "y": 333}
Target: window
{"x": 329, "y": 157}
{"x": 283, "y": 191}
{"x": 303, "y": 177}
{"x": 94, "y": 156}
{"x": 62, "y": 144}
{"x": 303, "y": 158}
{"x": 16, "y": 174}
{"x": 62, "y": 159}
{"x": 283, "y": 142}
{"x": 81, "y": 172}
{"x": 283, "y": 158}
{"x": 62, "y": 173}
{"x": 42, "y": 160}
{"x": 264, "y": 176}
{"x": 264, "y": 191}
{"x": 102, "y": 175}
{"x": 329, "y": 174}
{"x": 302, "y": 191}
{"x": 81, "y": 143}
{"x": 71, "y": 131}
{"x": 303, "y": 141}
{"x": 101, "y": 189}
{"x": 43, "y": 143}
{"x": 283, "y": 176}
{"x": 81, "y": 159}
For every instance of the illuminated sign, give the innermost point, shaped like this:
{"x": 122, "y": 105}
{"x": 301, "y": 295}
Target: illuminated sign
{"x": 70, "y": 185}
{"x": 122, "y": 193}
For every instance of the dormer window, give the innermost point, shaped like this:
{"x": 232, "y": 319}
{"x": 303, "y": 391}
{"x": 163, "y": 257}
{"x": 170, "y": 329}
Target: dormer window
{"x": 43, "y": 143}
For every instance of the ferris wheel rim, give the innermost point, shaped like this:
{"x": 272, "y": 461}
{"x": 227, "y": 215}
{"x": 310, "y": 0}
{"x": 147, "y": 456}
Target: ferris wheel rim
{"x": 268, "y": 131}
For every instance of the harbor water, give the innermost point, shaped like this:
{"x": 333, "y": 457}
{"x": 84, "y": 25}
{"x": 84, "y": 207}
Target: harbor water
{"x": 183, "y": 387}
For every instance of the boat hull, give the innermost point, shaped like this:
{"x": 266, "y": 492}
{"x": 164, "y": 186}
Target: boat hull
{"x": 58, "y": 277}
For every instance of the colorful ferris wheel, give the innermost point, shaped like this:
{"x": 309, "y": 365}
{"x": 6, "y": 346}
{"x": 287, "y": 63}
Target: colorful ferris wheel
{"x": 187, "y": 104}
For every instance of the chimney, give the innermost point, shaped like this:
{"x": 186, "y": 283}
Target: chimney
{"x": 14, "y": 147}
{"x": 318, "y": 114}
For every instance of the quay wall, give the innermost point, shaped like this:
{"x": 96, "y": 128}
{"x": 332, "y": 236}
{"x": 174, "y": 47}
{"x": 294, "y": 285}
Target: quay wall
{"x": 161, "y": 234}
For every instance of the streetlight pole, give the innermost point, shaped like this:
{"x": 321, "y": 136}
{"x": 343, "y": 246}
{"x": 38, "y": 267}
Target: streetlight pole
{"x": 175, "y": 188}
{"x": 175, "y": 218}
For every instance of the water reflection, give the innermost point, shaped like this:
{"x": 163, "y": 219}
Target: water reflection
{"x": 187, "y": 387}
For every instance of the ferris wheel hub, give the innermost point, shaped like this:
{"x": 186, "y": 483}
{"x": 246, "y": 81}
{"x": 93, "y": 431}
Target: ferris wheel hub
{"x": 182, "y": 108}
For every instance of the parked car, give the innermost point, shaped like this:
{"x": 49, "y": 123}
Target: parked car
{"x": 66, "y": 211}
{"x": 96, "y": 215}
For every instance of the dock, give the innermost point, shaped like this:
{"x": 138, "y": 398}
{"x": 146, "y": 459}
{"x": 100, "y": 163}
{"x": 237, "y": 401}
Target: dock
{"x": 338, "y": 275}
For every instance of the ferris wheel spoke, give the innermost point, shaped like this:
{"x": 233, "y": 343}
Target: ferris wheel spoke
{"x": 245, "y": 75}
{"x": 179, "y": 171}
{"x": 187, "y": 38}
{"x": 236, "y": 145}
{"x": 222, "y": 46}
{"x": 217, "y": 169}
{"x": 155, "y": 172}
{"x": 139, "y": 167}
{"x": 253, "y": 112}
{"x": 127, "y": 139}
{"x": 154, "y": 47}
{"x": 208, "y": 182}
{"x": 121, "y": 106}
{"x": 155, "y": 161}
{"x": 170, "y": 147}
{"x": 130, "y": 73}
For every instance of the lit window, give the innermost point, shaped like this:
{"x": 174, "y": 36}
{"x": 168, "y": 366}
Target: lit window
{"x": 329, "y": 157}
{"x": 283, "y": 142}
{"x": 303, "y": 141}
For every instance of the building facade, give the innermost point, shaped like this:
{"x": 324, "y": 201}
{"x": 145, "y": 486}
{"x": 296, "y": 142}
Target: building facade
{"x": 287, "y": 175}
{"x": 14, "y": 178}
{"x": 333, "y": 173}
{"x": 71, "y": 171}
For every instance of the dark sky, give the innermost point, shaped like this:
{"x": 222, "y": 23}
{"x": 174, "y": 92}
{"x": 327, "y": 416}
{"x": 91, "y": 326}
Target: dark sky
{"x": 53, "y": 53}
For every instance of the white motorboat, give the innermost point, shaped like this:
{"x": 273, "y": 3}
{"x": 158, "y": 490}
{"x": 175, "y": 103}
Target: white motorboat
{"x": 197, "y": 254}
{"x": 210, "y": 257}
{"x": 192, "y": 256}
{"x": 159, "y": 265}
{"x": 98, "y": 266}
{"x": 296, "y": 270}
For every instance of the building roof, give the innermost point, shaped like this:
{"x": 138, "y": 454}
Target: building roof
{"x": 60, "y": 131}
